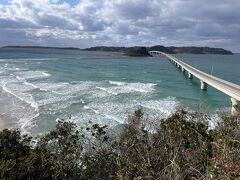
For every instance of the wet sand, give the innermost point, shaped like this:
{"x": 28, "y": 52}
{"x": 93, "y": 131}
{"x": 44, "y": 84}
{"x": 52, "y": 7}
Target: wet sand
{"x": 6, "y": 121}
{"x": 2, "y": 126}
{"x": 12, "y": 110}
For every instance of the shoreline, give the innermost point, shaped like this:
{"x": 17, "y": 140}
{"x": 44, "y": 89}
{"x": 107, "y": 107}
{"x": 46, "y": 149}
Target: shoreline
{"x": 2, "y": 125}
{"x": 6, "y": 121}
{"x": 2, "y": 119}
{"x": 13, "y": 110}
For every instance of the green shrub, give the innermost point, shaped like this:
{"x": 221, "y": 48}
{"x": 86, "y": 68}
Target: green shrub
{"x": 180, "y": 147}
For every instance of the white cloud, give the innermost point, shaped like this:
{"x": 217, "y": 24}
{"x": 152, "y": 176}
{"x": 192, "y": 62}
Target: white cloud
{"x": 121, "y": 22}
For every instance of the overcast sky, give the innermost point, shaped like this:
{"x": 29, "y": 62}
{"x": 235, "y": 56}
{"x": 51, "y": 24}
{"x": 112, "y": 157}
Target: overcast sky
{"x": 84, "y": 23}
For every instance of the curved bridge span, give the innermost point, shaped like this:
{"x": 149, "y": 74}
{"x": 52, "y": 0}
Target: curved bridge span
{"x": 231, "y": 89}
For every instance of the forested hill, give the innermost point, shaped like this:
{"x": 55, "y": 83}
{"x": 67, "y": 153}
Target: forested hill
{"x": 170, "y": 50}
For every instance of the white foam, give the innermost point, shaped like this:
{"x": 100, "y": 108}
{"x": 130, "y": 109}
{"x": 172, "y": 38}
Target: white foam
{"x": 216, "y": 117}
{"x": 46, "y": 74}
{"x": 123, "y": 87}
{"x": 53, "y": 87}
{"x": 22, "y": 105}
{"x": 38, "y": 59}
{"x": 83, "y": 118}
{"x": 82, "y": 101}
{"x": 66, "y": 88}
{"x": 94, "y": 115}
{"x": 14, "y": 69}
{"x": 62, "y": 105}
{"x": 94, "y": 110}
{"x": 30, "y": 84}
{"x": 26, "y": 123}
{"x": 3, "y": 60}
{"x": 56, "y": 97}
{"x": 118, "y": 112}
{"x": 113, "y": 118}
{"x": 24, "y": 97}
{"x": 20, "y": 79}
{"x": 58, "y": 119}
{"x": 16, "y": 85}
{"x": 119, "y": 83}
{"x": 108, "y": 90}
{"x": 50, "y": 99}
{"x": 86, "y": 107}
{"x": 28, "y": 75}
{"x": 165, "y": 106}
{"x": 20, "y": 60}
{"x": 213, "y": 120}
{"x": 79, "y": 87}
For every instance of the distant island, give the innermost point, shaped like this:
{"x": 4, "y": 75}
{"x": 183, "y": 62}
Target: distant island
{"x": 140, "y": 50}
{"x": 137, "y": 51}
{"x": 170, "y": 50}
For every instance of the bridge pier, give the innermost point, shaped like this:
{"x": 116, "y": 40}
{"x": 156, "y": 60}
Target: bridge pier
{"x": 183, "y": 70}
{"x": 190, "y": 76}
{"x": 232, "y": 90}
{"x": 235, "y": 107}
{"x": 203, "y": 85}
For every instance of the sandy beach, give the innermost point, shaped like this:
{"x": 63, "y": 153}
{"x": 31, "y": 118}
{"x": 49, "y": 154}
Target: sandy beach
{"x": 1, "y": 124}
{"x": 2, "y": 100}
{"x": 7, "y": 123}
{"x": 13, "y": 110}
{"x": 6, "y": 102}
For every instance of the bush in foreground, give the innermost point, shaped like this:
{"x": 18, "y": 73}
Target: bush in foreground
{"x": 181, "y": 147}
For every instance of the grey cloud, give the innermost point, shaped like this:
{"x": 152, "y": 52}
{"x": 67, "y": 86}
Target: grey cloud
{"x": 125, "y": 29}
{"x": 13, "y": 24}
{"x": 122, "y": 22}
{"x": 91, "y": 23}
{"x": 134, "y": 10}
{"x": 13, "y": 37}
{"x": 50, "y": 20}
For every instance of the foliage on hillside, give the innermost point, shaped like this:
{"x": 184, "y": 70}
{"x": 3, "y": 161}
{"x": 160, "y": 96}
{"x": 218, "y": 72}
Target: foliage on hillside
{"x": 181, "y": 147}
{"x": 165, "y": 49}
{"x": 137, "y": 51}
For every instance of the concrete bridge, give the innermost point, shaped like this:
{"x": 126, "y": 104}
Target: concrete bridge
{"x": 231, "y": 89}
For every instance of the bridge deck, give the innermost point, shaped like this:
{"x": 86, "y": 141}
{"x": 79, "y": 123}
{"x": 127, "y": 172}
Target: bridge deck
{"x": 231, "y": 89}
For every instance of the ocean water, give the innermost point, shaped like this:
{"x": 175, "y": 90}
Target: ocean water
{"x": 41, "y": 86}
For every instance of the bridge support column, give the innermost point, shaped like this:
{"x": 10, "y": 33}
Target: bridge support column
{"x": 203, "y": 85}
{"x": 190, "y": 76}
{"x": 178, "y": 66}
{"x": 183, "y": 70}
{"x": 235, "y": 107}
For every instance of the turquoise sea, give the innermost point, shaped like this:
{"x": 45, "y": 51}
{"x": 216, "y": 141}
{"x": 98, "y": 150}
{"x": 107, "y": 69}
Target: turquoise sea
{"x": 41, "y": 86}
